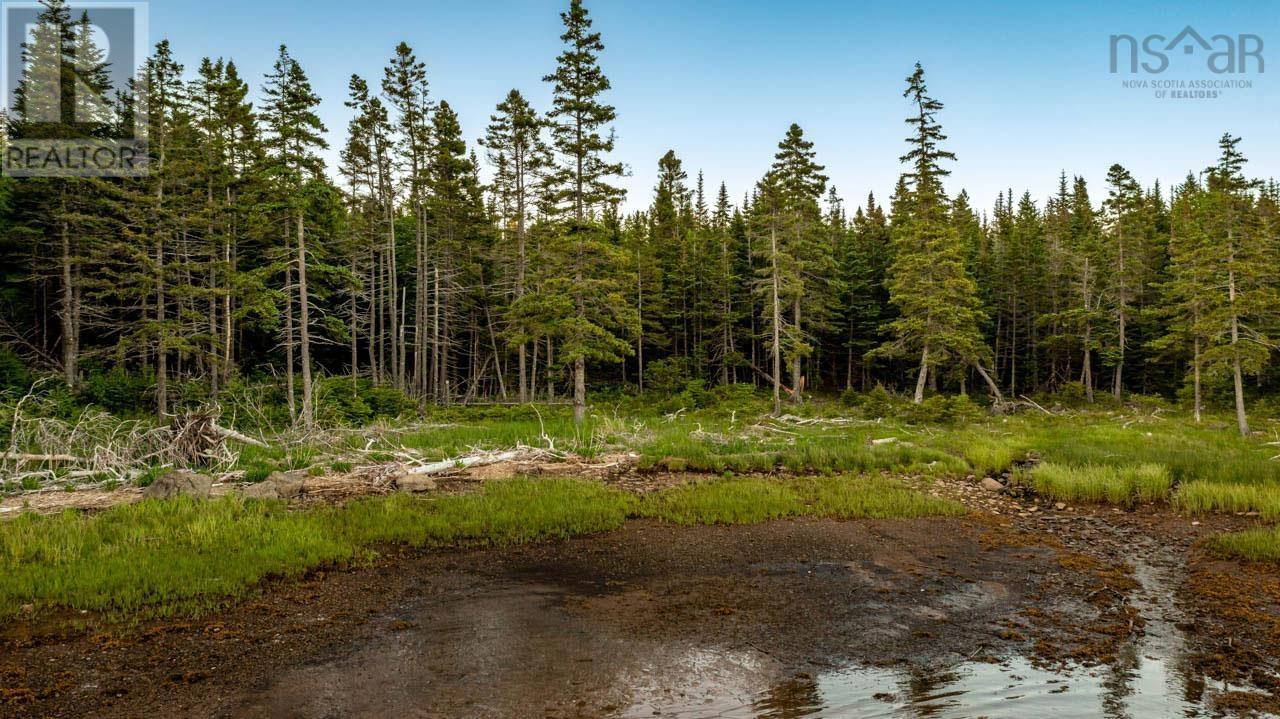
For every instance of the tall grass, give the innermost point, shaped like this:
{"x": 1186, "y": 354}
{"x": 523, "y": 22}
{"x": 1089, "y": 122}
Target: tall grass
{"x": 746, "y": 501}
{"x": 1204, "y": 497}
{"x": 179, "y": 557}
{"x": 804, "y": 451}
{"x": 1124, "y": 485}
{"x": 1260, "y": 545}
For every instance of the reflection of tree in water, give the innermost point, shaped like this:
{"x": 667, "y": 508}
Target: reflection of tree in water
{"x": 1117, "y": 682}
{"x": 790, "y": 699}
{"x": 924, "y": 687}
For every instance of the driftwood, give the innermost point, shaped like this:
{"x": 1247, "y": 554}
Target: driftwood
{"x": 471, "y": 460}
{"x": 25, "y": 458}
{"x": 884, "y": 441}
{"x": 232, "y": 434}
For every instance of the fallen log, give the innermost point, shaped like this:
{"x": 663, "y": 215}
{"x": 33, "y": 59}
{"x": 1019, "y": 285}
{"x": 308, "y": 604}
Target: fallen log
{"x": 232, "y": 434}
{"x": 474, "y": 460}
{"x": 22, "y": 458}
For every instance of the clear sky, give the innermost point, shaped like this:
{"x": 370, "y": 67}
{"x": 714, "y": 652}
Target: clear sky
{"x": 1027, "y": 86}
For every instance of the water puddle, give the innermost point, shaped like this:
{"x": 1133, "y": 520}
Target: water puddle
{"x": 1014, "y": 689}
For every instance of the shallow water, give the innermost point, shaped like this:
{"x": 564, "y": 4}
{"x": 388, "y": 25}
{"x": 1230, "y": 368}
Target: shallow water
{"x": 1013, "y": 689}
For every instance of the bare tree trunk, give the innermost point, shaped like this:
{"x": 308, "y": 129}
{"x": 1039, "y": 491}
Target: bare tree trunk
{"x": 397, "y": 343}
{"x": 1195, "y": 366}
{"x": 289, "y": 343}
{"x": 521, "y": 262}
{"x": 991, "y": 383}
{"x": 1236, "y": 372}
{"x": 777, "y": 324}
{"x": 304, "y": 328}
{"x": 551, "y": 380}
{"x": 375, "y": 318}
{"x": 437, "y": 361}
{"x": 796, "y": 380}
{"x": 640, "y": 334}
{"x": 70, "y": 312}
{"x": 923, "y": 376}
{"x": 162, "y": 345}
{"x": 227, "y": 321}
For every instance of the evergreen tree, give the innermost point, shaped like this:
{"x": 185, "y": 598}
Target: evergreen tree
{"x": 928, "y": 282}
{"x": 1243, "y": 304}
{"x": 520, "y": 157}
{"x": 293, "y": 135}
{"x": 591, "y": 262}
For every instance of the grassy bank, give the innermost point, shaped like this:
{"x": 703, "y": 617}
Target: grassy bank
{"x": 183, "y": 557}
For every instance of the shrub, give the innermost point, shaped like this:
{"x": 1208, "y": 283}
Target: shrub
{"x": 119, "y": 391}
{"x": 877, "y": 403}
{"x": 13, "y": 373}
{"x": 666, "y": 377}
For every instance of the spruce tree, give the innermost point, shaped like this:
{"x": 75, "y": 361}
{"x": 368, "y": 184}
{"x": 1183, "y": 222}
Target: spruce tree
{"x": 1243, "y": 262}
{"x": 592, "y": 263}
{"x": 521, "y": 157}
{"x": 937, "y": 300}
{"x": 294, "y": 134}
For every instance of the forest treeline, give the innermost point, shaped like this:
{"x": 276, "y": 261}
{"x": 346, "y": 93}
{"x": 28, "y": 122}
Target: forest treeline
{"x": 241, "y": 257}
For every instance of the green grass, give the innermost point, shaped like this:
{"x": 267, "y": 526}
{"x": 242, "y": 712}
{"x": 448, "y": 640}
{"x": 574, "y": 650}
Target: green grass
{"x": 184, "y": 557}
{"x": 749, "y": 501}
{"x": 1260, "y": 545}
{"x": 1203, "y": 497}
{"x": 803, "y": 450}
{"x": 1124, "y": 485}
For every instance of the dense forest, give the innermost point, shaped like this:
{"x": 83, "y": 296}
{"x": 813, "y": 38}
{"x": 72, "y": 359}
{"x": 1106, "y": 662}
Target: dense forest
{"x": 505, "y": 270}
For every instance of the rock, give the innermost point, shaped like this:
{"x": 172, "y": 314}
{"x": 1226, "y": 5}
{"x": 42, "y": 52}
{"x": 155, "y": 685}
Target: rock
{"x": 415, "y": 483}
{"x": 991, "y": 485}
{"x": 1060, "y": 506}
{"x": 278, "y": 485}
{"x": 179, "y": 482}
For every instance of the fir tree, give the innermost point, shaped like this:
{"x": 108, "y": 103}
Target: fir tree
{"x": 928, "y": 282}
{"x": 592, "y": 263}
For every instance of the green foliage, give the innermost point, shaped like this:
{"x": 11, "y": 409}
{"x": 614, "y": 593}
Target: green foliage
{"x": 119, "y": 391}
{"x": 667, "y": 376}
{"x": 14, "y": 375}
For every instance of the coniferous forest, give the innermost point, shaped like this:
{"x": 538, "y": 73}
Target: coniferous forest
{"x": 242, "y": 263}
{"x": 390, "y": 420}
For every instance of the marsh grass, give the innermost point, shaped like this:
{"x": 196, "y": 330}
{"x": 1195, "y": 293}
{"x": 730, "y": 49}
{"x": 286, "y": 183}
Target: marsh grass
{"x": 806, "y": 450}
{"x": 1260, "y": 545}
{"x": 186, "y": 557}
{"x": 1127, "y": 485}
{"x": 1204, "y": 497}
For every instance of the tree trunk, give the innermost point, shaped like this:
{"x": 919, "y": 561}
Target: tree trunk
{"x": 796, "y": 380}
{"x": 579, "y": 390}
{"x": 162, "y": 348}
{"x": 289, "y": 343}
{"x": 70, "y": 313}
{"x": 777, "y": 325}
{"x": 1236, "y": 373}
{"x": 304, "y": 328}
{"x": 991, "y": 383}
{"x": 1195, "y": 367}
{"x": 923, "y": 376}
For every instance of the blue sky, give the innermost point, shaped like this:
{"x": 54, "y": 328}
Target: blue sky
{"x": 1026, "y": 85}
